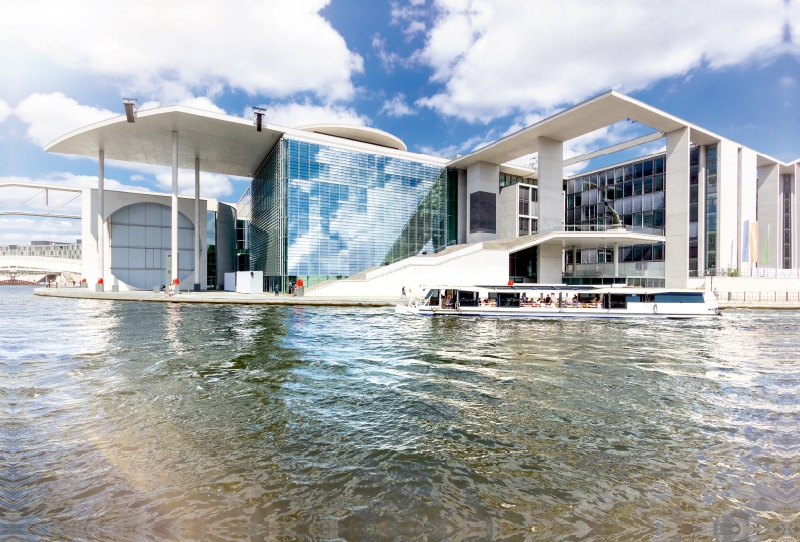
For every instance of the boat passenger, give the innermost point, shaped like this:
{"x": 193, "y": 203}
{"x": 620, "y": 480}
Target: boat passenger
{"x": 547, "y": 300}
{"x": 575, "y": 303}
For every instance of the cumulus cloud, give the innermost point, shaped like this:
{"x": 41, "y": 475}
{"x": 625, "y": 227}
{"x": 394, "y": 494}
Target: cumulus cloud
{"x": 295, "y": 114}
{"x": 5, "y": 110}
{"x": 50, "y": 116}
{"x": 172, "y": 50}
{"x": 571, "y": 51}
{"x": 397, "y": 107}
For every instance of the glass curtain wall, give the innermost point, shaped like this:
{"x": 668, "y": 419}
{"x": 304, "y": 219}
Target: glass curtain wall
{"x": 211, "y": 250}
{"x": 786, "y": 196}
{"x": 711, "y": 209}
{"x": 267, "y": 217}
{"x": 434, "y": 221}
{"x": 694, "y": 187}
{"x": 636, "y": 191}
{"x": 321, "y": 212}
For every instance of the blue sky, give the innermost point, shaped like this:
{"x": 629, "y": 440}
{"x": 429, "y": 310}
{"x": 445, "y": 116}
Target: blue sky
{"x": 446, "y": 76}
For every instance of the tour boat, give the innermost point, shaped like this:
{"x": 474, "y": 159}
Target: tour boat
{"x": 560, "y": 301}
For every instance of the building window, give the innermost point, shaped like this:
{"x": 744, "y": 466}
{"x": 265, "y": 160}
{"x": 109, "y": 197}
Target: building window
{"x": 711, "y": 209}
{"x": 524, "y": 200}
{"x": 524, "y": 225}
{"x": 694, "y": 187}
{"x": 787, "y": 221}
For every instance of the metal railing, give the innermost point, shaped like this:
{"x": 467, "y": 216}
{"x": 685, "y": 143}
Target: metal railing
{"x": 611, "y": 227}
{"x": 760, "y": 297}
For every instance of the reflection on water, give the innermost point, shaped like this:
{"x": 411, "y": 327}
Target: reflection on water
{"x": 144, "y": 420}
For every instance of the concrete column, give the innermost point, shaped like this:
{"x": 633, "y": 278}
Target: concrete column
{"x": 551, "y": 185}
{"x": 462, "y": 207}
{"x": 676, "y": 232}
{"x": 197, "y": 224}
{"x": 747, "y": 187}
{"x": 549, "y": 264}
{"x": 769, "y": 215}
{"x": 727, "y": 205}
{"x": 483, "y": 187}
{"x": 616, "y": 259}
{"x": 101, "y": 238}
{"x": 174, "y": 229}
{"x": 574, "y": 262}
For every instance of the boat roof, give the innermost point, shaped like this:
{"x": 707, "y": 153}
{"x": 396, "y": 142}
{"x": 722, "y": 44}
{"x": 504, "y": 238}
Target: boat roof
{"x": 526, "y": 287}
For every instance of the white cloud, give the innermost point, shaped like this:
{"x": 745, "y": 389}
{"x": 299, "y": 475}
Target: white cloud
{"x": 397, "y": 106}
{"x": 300, "y": 114}
{"x": 388, "y": 60}
{"x": 212, "y": 185}
{"x": 570, "y": 51}
{"x": 202, "y": 102}
{"x": 5, "y": 110}
{"x": 50, "y": 116}
{"x": 173, "y": 50}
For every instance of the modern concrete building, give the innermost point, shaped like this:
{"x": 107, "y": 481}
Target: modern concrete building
{"x": 349, "y": 210}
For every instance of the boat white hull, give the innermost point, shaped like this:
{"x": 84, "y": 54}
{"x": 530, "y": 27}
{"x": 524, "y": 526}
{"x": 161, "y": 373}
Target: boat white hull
{"x": 554, "y": 313}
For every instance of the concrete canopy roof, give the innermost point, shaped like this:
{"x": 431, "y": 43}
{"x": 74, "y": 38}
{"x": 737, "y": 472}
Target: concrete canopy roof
{"x": 224, "y": 144}
{"x": 598, "y": 112}
{"x": 576, "y": 239}
{"x": 365, "y": 134}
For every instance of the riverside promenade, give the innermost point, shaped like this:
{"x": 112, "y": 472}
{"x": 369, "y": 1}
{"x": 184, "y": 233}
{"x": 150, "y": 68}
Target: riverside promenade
{"x": 215, "y": 296}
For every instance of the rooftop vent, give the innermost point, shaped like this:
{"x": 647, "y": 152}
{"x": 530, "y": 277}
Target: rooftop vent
{"x": 258, "y": 117}
{"x": 129, "y": 104}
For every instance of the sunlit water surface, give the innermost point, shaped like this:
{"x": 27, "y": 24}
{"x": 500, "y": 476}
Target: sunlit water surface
{"x": 131, "y": 421}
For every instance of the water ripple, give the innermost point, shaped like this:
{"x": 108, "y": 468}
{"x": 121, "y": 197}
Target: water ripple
{"x": 143, "y": 421}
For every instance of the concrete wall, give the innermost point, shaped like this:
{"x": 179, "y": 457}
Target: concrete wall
{"x": 462, "y": 207}
{"x": 769, "y": 214}
{"x": 481, "y": 177}
{"x": 226, "y": 241}
{"x": 727, "y": 204}
{"x": 549, "y": 264}
{"x": 676, "y": 268}
{"x": 747, "y": 188}
{"x": 551, "y": 184}
{"x": 113, "y": 202}
{"x": 507, "y": 207}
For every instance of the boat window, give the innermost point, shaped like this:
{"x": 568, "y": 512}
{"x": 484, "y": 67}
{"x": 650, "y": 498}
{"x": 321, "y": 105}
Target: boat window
{"x": 433, "y": 298}
{"x": 680, "y": 297}
{"x": 632, "y": 298}
{"x": 508, "y": 300}
{"x": 619, "y": 301}
{"x": 432, "y": 293}
{"x": 468, "y": 299}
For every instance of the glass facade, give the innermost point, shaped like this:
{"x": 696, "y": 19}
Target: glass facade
{"x": 786, "y": 199}
{"x": 694, "y": 195}
{"x": 321, "y": 212}
{"x": 211, "y": 250}
{"x": 711, "y": 209}
{"x": 635, "y": 191}
{"x": 507, "y": 179}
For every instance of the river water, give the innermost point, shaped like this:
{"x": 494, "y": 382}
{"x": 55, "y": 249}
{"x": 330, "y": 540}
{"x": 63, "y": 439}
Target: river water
{"x": 138, "y": 421}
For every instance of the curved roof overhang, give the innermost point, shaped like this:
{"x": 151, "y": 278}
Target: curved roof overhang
{"x": 363, "y": 134}
{"x": 225, "y": 144}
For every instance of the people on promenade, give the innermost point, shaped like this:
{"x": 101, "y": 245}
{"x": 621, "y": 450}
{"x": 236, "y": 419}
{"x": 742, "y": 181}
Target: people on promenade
{"x": 277, "y": 289}
{"x": 403, "y": 292}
